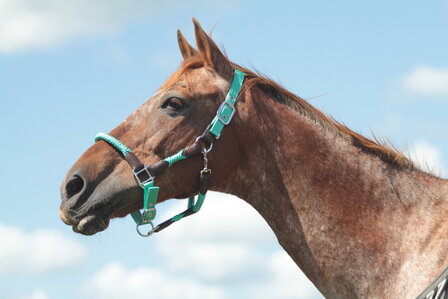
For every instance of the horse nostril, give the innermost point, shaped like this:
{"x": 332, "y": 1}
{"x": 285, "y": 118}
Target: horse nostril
{"x": 74, "y": 186}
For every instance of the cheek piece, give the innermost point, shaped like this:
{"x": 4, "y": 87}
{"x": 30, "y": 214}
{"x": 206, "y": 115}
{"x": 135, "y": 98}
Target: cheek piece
{"x": 145, "y": 175}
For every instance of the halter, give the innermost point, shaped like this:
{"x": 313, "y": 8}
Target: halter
{"x": 438, "y": 289}
{"x": 145, "y": 175}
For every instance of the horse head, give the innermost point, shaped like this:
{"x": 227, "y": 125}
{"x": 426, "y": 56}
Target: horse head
{"x": 100, "y": 185}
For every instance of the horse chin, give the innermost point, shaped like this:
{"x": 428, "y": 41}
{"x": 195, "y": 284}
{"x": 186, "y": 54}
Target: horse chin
{"x": 91, "y": 224}
{"x": 95, "y": 217}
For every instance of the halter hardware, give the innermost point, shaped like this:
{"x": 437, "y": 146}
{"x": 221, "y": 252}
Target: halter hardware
{"x": 140, "y": 181}
{"x": 145, "y": 175}
{"x": 223, "y": 117}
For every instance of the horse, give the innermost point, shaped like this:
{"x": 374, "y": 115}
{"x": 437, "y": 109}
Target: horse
{"x": 358, "y": 217}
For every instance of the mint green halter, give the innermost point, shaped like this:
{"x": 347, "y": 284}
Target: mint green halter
{"x": 145, "y": 175}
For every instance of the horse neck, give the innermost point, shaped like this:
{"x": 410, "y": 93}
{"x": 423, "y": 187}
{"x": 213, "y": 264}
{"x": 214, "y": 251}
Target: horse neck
{"x": 347, "y": 218}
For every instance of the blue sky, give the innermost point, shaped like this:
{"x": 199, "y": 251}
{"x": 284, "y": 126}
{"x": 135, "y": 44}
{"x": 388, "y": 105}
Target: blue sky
{"x": 71, "y": 69}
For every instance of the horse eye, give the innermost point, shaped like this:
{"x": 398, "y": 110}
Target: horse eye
{"x": 174, "y": 104}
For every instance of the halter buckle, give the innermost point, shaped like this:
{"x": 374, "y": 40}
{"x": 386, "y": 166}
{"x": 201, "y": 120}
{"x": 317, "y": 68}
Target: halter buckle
{"x": 144, "y": 171}
{"x": 223, "y": 117}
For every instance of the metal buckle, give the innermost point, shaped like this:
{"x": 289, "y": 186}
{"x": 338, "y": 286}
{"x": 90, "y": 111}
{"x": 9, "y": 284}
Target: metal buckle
{"x": 145, "y": 170}
{"x": 221, "y": 107}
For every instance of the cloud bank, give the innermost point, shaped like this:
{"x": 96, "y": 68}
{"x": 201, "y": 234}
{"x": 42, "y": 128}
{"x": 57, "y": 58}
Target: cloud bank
{"x": 35, "y": 294}
{"x": 115, "y": 281}
{"x": 36, "y": 252}
{"x": 230, "y": 244}
{"x": 428, "y": 81}
{"x": 226, "y": 251}
{"x": 427, "y": 157}
{"x": 28, "y": 24}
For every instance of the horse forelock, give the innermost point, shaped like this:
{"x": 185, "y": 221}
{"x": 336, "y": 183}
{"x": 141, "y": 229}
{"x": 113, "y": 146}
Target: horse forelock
{"x": 186, "y": 66}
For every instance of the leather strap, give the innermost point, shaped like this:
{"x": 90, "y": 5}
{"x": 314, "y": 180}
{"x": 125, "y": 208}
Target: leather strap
{"x": 203, "y": 188}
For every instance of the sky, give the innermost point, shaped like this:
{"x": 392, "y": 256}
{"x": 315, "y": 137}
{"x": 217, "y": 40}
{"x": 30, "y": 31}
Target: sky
{"x": 69, "y": 69}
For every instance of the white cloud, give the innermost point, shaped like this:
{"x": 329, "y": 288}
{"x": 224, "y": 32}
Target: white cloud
{"x": 115, "y": 281}
{"x": 24, "y": 252}
{"x": 222, "y": 263}
{"x": 428, "y": 81}
{"x": 35, "y": 294}
{"x": 427, "y": 156}
{"x": 223, "y": 218}
{"x": 287, "y": 281}
{"x": 217, "y": 242}
{"x": 228, "y": 243}
{"x": 226, "y": 250}
{"x": 28, "y": 24}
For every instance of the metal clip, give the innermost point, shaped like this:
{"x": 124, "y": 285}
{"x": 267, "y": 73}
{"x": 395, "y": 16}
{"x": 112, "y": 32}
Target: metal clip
{"x": 204, "y": 154}
{"x": 205, "y": 169}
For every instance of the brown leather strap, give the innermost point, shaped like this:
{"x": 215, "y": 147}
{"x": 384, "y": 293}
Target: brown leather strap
{"x": 208, "y": 138}
{"x": 202, "y": 143}
{"x": 193, "y": 149}
{"x": 203, "y": 182}
{"x": 203, "y": 187}
{"x": 133, "y": 161}
{"x": 158, "y": 168}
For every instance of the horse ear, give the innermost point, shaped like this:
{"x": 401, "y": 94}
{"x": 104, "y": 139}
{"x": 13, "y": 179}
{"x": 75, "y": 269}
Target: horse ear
{"x": 185, "y": 48}
{"x": 210, "y": 51}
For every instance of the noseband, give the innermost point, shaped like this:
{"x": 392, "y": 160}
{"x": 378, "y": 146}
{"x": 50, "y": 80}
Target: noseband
{"x": 145, "y": 175}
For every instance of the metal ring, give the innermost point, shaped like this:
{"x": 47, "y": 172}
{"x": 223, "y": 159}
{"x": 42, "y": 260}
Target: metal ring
{"x": 209, "y": 149}
{"x": 147, "y": 234}
{"x": 203, "y": 149}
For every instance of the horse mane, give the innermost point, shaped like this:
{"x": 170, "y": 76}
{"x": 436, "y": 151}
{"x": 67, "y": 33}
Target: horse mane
{"x": 386, "y": 153}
